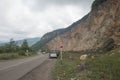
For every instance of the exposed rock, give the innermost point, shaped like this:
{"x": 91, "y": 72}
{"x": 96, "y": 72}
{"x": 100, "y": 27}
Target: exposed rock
{"x": 102, "y": 23}
{"x": 83, "y": 57}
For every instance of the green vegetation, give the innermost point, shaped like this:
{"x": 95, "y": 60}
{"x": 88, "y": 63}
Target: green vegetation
{"x": 96, "y": 3}
{"x": 11, "y": 47}
{"x": 8, "y": 56}
{"x": 102, "y": 67}
{"x": 12, "y": 51}
{"x": 67, "y": 69}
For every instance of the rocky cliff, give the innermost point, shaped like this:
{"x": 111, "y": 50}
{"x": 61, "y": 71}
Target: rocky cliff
{"x": 101, "y": 27}
{"x": 51, "y": 35}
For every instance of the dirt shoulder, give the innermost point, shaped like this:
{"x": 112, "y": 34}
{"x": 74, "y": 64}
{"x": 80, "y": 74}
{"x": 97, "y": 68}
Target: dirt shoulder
{"x": 42, "y": 72}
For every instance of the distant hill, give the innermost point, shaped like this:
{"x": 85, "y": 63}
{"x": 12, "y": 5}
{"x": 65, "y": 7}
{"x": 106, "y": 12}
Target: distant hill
{"x": 31, "y": 41}
{"x": 2, "y": 43}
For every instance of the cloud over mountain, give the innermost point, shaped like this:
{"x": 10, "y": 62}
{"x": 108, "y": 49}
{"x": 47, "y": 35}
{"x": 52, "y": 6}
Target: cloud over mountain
{"x": 31, "y": 18}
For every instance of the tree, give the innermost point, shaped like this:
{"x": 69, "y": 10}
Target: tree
{"x": 13, "y": 47}
{"x": 25, "y": 46}
{"x": 1, "y": 49}
{"x": 9, "y": 47}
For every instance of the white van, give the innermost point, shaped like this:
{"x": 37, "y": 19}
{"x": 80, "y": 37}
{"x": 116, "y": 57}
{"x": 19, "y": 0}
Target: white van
{"x": 53, "y": 55}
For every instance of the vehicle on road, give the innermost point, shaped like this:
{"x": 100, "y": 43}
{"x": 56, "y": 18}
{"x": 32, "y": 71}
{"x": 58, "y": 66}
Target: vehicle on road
{"x": 53, "y": 55}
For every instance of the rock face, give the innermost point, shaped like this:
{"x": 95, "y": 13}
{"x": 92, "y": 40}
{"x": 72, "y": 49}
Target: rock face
{"x": 101, "y": 25}
{"x": 46, "y": 38}
{"x": 51, "y": 35}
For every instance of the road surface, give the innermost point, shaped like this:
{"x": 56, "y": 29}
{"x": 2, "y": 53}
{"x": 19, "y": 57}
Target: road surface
{"x": 15, "y": 69}
{"x": 42, "y": 72}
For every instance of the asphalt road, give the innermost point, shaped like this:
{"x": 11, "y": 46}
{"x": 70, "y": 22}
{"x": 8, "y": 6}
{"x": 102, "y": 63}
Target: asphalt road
{"x": 42, "y": 72}
{"x": 15, "y": 69}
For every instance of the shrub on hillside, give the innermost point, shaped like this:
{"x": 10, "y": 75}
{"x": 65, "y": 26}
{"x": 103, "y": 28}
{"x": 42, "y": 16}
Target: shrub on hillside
{"x": 108, "y": 44}
{"x": 96, "y": 3}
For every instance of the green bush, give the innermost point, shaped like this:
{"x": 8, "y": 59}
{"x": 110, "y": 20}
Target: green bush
{"x": 31, "y": 53}
{"x": 8, "y": 56}
{"x": 22, "y": 53}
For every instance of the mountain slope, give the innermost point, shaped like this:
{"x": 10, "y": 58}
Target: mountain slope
{"x": 46, "y": 38}
{"x": 100, "y": 28}
{"x": 51, "y": 35}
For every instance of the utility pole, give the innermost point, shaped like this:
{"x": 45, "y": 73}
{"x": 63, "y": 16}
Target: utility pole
{"x": 27, "y": 52}
{"x": 61, "y": 50}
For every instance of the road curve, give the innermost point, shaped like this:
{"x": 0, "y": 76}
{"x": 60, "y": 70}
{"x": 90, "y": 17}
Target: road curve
{"x": 13, "y": 70}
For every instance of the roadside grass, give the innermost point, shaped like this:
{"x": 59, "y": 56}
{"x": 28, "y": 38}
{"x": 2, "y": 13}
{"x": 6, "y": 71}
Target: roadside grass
{"x": 9, "y": 56}
{"x": 12, "y": 56}
{"x": 67, "y": 68}
{"x": 106, "y": 67}
{"x": 103, "y": 67}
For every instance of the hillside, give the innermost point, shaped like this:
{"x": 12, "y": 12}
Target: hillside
{"x": 46, "y": 38}
{"x": 51, "y": 35}
{"x": 99, "y": 29}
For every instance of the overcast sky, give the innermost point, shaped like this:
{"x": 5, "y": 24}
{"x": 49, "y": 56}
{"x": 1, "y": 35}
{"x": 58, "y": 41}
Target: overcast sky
{"x": 21, "y": 19}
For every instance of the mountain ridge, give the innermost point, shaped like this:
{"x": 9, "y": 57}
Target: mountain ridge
{"x": 100, "y": 28}
{"x": 51, "y": 35}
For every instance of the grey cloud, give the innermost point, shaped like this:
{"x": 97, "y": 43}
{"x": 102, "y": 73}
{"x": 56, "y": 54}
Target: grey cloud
{"x": 20, "y": 32}
{"x": 64, "y": 2}
{"x": 33, "y": 18}
{"x": 42, "y": 4}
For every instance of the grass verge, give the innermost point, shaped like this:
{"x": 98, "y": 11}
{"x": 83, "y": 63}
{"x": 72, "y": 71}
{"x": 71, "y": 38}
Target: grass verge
{"x": 12, "y": 56}
{"x": 102, "y": 67}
